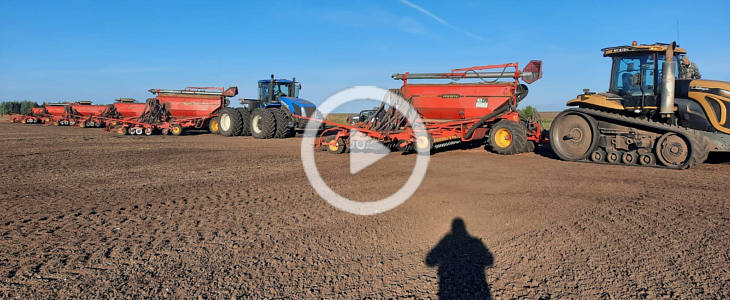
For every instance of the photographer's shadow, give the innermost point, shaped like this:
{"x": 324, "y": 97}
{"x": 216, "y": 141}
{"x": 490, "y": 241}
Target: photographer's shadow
{"x": 461, "y": 260}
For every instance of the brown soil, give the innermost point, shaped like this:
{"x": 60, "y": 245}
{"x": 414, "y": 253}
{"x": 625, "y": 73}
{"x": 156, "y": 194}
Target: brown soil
{"x": 92, "y": 214}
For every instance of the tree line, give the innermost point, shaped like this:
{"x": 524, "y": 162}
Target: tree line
{"x": 16, "y": 107}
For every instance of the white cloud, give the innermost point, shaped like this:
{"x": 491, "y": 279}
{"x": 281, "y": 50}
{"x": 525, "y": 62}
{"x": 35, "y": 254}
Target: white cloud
{"x": 440, "y": 20}
{"x": 375, "y": 18}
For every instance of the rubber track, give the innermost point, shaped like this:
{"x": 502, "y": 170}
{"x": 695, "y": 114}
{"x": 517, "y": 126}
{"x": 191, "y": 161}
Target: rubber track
{"x": 696, "y": 138}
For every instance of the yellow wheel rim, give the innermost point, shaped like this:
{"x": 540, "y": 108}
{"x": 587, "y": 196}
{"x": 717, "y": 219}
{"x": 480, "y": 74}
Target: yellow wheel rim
{"x": 214, "y": 125}
{"x": 176, "y": 129}
{"x": 334, "y": 146}
{"x": 503, "y": 138}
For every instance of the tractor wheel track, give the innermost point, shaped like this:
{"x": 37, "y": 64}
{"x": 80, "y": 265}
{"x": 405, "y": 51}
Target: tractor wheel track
{"x": 696, "y": 139}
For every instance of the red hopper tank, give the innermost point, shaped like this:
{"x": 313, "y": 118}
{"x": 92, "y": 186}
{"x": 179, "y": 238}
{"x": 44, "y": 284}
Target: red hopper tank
{"x": 129, "y": 109}
{"x": 37, "y": 111}
{"x": 90, "y": 110}
{"x": 57, "y": 109}
{"x": 459, "y": 101}
{"x": 194, "y": 102}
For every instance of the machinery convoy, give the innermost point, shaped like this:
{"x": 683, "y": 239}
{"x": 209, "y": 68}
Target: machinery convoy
{"x": 648, "y": 117}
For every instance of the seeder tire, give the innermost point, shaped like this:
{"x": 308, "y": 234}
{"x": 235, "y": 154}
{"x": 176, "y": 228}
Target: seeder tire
{"x": 263, "y": 124}
{"x": 338, "y": 147}
{"x": 424, "y": 144}
{"x": 176, "y": 129}
{"x": 507, "y": 137}
{"x": 529, "y": 147}
{"x": 214, "y": 125}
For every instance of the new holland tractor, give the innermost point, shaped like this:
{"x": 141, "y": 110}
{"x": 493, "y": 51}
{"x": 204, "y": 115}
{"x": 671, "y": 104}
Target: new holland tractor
{"x": 276, "y": 113}
{"x": 648, "y": 116}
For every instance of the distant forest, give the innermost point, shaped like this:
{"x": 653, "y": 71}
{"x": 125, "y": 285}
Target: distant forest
{"x": 16, "y": 107}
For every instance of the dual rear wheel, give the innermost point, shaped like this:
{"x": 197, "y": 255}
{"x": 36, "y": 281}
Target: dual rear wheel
{"x": 262, "y": 123}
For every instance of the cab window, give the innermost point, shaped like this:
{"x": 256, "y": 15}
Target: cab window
{"x": 633, "y": 75}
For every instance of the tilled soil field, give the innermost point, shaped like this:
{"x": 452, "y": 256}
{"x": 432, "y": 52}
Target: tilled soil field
{"x": 91, "y": 214}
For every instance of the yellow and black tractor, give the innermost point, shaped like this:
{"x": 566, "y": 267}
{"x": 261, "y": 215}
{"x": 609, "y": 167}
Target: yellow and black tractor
{"x": 648, "y": 116}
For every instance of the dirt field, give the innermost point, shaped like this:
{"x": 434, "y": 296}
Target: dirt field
{"x": 98, "y": 215}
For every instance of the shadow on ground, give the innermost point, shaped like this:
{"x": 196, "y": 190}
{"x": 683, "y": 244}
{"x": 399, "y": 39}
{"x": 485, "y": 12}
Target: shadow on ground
{"x": 461, "y": 260}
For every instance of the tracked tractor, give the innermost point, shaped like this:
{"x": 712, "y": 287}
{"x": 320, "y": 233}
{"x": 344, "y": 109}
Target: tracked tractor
{"x": 647, "y": 117}
{"x": 275, "y": 113}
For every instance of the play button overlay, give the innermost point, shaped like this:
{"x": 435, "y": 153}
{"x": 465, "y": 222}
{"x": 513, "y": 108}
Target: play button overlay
{"x": 365, "y": 150}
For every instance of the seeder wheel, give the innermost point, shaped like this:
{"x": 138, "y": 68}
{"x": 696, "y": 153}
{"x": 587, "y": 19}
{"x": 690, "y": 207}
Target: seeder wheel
{"x": 337, "y": 146}
{"x": 176, "y": 129}
{"x": 424, "y": 144}
{"x": 507, "y": 137}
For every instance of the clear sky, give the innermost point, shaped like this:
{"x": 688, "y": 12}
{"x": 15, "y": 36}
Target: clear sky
{"x": 102, "y": 50}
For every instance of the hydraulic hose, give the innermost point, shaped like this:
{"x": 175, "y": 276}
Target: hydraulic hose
{"x": 501, "y": 109}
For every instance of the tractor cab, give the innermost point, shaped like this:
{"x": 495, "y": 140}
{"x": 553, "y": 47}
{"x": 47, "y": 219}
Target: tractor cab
{"x": 272, "y": 90}
{"x": 636, "y": 74}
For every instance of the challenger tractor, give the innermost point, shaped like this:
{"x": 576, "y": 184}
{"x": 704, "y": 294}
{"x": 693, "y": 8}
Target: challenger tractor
{"x": 648, "y": 117}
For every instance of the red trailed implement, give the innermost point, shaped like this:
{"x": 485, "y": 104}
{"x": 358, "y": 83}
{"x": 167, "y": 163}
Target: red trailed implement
{"x": 452, "y": 113}
{"x": 34, "y": 116}
{"x": 172, "y": 111}
{"x": 59, "y": 114}
{"x": 89, "y": 115}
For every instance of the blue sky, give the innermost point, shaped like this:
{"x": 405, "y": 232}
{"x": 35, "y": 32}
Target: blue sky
{"x": 102, "y": 50}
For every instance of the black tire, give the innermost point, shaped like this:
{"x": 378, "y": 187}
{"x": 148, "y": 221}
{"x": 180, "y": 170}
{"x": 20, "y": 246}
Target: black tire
{"x": 529, "y": 147}
{"x": 214, "y": 125}
{"x": 263, "y": 124}
{"x": 230, "y": 122}
{"x": 245, "y": 121}
{"x": 507, "y": 137}
{"x": 283, "y": 122}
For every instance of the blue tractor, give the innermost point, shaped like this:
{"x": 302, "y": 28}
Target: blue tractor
{"x": 275, "y": 114}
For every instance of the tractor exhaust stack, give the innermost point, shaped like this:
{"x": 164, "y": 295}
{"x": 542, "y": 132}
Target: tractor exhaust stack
{"x": 667, "y": 89}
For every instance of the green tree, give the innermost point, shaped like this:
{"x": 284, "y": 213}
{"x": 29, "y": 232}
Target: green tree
{"x": 17, "y": 107}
